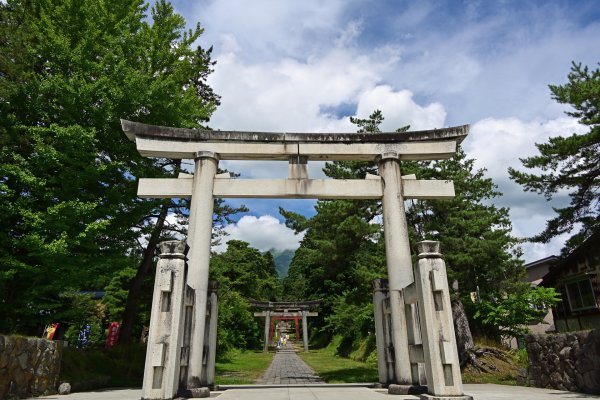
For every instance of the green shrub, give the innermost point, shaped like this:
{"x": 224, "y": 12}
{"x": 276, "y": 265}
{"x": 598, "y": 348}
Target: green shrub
{"x": 94, "y": 368}
{"x": 522, "y": 358}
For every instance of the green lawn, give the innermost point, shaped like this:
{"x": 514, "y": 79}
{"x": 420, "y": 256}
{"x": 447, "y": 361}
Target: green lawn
{"x": 241, "y": 367}
{"x": 334, "y": 369}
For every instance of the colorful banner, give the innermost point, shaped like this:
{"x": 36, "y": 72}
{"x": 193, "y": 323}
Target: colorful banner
{"x": 83, "y": 340}
{"x": 113, "y": 334}
{"x": 49, "y": 331}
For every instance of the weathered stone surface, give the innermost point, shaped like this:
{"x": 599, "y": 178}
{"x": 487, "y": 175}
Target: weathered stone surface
{"x": 197, "y": 393}
{"x": 173, "y": 247}
{"x": 432, "y": 397}
{"x": 133, "y": 129}
{"x": 406, "y": 389}
{"x": 568, "y": 361}
{"x": 64, "y": 388}
{"x": 28, "y": 367}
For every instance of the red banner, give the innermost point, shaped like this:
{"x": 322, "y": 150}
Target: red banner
{"x": 113, "y": 334}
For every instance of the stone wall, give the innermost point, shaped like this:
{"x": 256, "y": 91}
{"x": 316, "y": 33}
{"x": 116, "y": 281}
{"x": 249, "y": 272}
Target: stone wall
{"x": 28, "y": 367}
{"x": 565, "y": 361}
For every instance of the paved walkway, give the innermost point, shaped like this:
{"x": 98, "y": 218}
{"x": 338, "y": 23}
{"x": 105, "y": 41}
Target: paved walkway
{"x": 287, "y": 368}
{"x": 479, "y": 392}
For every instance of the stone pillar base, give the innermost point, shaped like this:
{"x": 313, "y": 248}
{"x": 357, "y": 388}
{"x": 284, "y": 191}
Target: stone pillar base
{"x": 432, "y": 397}
{"x": 194, "y": 393}
{"x": 406, "y": 389}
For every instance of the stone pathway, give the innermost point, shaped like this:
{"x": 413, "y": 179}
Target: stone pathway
{"x": 287, "y": 368}
{"x": 479, "y": 392}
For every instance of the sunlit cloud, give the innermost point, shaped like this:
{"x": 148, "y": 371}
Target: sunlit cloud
{"x": 263, "y": 233}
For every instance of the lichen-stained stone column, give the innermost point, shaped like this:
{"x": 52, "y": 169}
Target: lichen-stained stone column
{"x": 267, "y": 330}
{"x": 165, "y": 336}
{"x": 437, "y": 329}
{"x": 304, "y": 331}
{"x": 199, "y": 239}
{"x": 399, "y": 264}
{"x": 384, "y": 366}
{"x": 210, "y": 337}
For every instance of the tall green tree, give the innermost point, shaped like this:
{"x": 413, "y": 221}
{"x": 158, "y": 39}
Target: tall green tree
{"x": 474, "y": 234}
{"x": 570, "y": 163}
{"x": 70, "y": 217}
{"x": 243, "y": 274}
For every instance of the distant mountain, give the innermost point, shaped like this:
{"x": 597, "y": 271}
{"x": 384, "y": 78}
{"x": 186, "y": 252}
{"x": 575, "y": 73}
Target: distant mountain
{"x": 282, "y": 261}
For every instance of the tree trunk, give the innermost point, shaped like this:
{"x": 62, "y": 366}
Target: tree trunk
{"x": 464, "y": 338}
{"x": 133, "y": 297}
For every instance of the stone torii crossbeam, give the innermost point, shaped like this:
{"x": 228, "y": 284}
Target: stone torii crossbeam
{"x": 286, "y": 310}
{"x": 386, "y": 149}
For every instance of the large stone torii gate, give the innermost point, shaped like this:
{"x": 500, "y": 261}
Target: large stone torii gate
{"x": 387, "y": 149}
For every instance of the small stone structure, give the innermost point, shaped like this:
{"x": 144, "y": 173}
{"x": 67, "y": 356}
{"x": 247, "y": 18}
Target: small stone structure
{"x": 565, "y": 361}
{"x": 428, "y": 338}
{"x": 172, "y": 324}
{"x": 28, "y": 367}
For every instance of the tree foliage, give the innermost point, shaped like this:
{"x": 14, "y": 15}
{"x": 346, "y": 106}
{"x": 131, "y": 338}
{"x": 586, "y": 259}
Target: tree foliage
{"x": 69, "y": 213}
{"x": 475, "y": 235}
{"x": 510, "y": 314}
{"x": 243, "y": 274}
{"x": 570, "y": 163}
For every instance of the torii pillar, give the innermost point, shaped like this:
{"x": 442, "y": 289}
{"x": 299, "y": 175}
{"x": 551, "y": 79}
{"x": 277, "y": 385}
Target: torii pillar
{"x": 399, "y": 263}
{"x": 199, "y": 239}
{"x": 304, "y": 331}
{"x": 268, "y": 329}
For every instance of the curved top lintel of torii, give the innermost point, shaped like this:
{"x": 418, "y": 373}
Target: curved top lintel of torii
{"x": 298, "y": 148}
{"x": 286, "y": 305}
{"x": 163, "y": 133}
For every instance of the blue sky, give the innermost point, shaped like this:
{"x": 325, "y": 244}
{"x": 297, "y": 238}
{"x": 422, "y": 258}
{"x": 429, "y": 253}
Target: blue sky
{"x": 308, "y": 65}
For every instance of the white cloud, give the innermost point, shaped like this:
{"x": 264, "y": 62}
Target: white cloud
{"x": 270, "y": 29}
{"x": 399, "y": 109}
{"x": 499, "y": 63}
{"x": 291, "y": 95}
{"x": 497, "y": 144}
{"x": 287, "y": 95}
{"x": 263, "y": 233}
{"x": 536, "y": 251}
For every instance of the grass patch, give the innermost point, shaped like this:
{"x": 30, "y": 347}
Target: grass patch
{"x": 95, "y": 368}
{"x": 501, "y": 369}
{"x": 238, "y": 367}
{"x": 335, "y": 369}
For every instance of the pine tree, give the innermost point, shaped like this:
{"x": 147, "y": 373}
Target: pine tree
{"x": 570, "y": 163}
{"x": 474, "y": 234}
